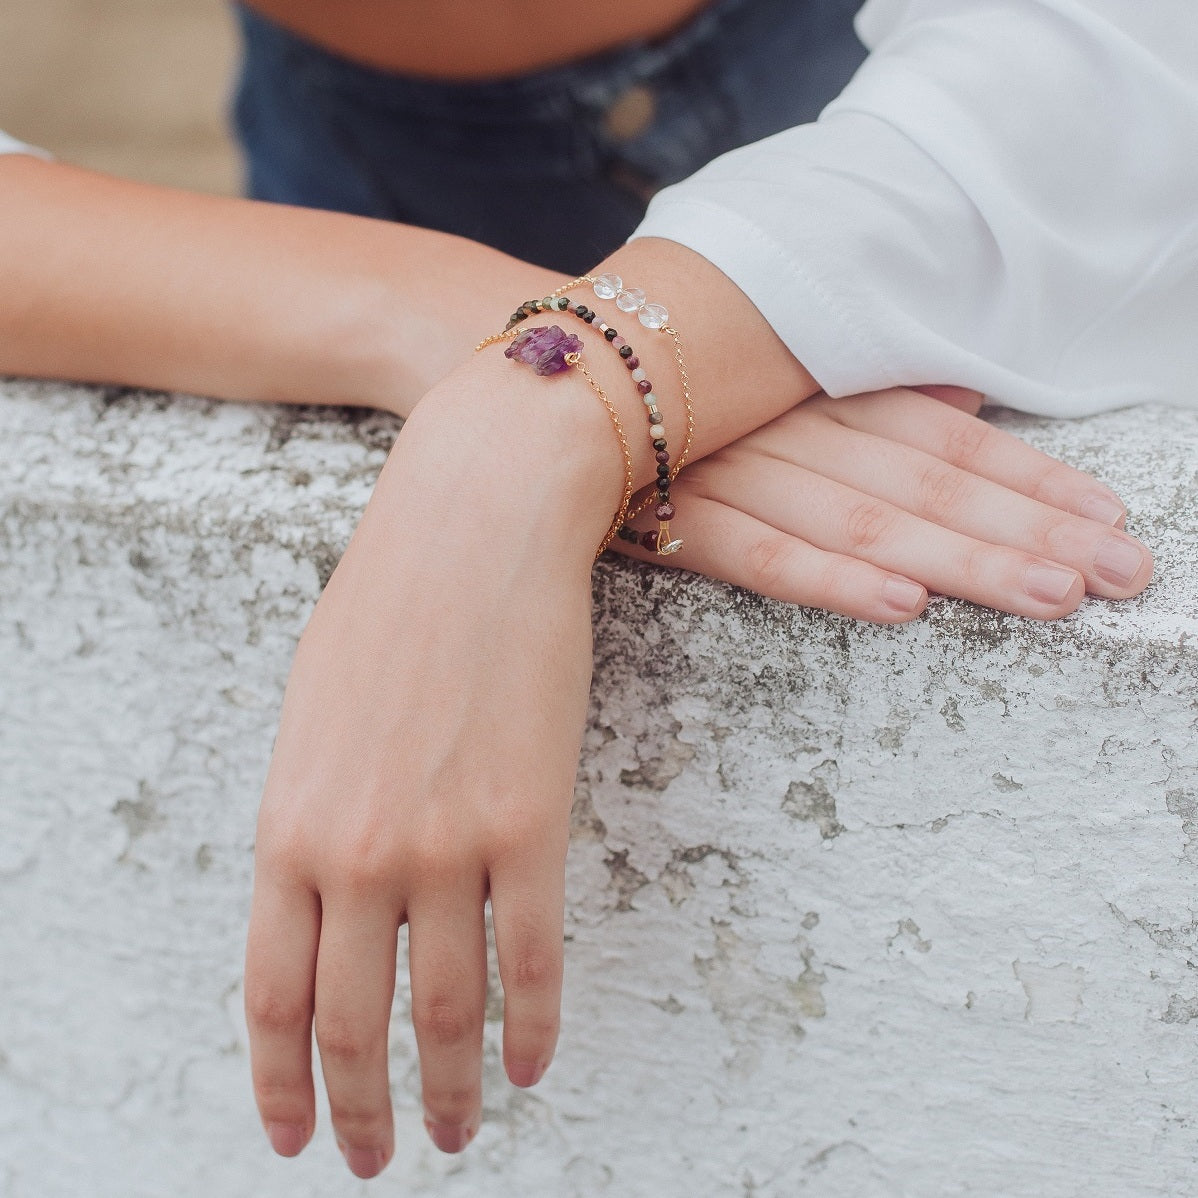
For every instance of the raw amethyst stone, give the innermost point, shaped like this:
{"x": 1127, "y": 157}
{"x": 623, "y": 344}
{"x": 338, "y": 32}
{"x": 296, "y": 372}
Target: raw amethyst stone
{"x": 544, "y": 349}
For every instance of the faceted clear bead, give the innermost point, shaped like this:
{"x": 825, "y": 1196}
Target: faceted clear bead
{"x": 630, "y": 300}
{"x": 608, "y": 286}
{"x": 654, "y": 316}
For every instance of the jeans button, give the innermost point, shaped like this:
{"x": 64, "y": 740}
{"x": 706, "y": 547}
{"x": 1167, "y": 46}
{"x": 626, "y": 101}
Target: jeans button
{"x": 630, "y": 114}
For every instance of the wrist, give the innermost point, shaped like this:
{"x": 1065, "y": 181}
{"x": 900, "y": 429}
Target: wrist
{"x": 522, "y": 459}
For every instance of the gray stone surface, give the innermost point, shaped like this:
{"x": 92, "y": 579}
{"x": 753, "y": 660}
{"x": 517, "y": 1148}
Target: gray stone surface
{"x": 854, "y": 911}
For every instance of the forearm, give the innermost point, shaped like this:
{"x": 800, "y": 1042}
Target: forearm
{"x": 110, "y": 281}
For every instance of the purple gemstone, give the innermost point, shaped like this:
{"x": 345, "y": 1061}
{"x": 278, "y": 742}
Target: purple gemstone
{"x": 544, "y": 349}
{"x": 649, "y": 540}
{"x": 664, "y": 511}
{"x": 633, "y": 362}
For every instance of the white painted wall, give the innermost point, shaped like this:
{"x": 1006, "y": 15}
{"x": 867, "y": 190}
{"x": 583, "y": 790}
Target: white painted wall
{"x": 854, "y": 912}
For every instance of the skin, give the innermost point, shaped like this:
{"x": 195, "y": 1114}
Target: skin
{"x": 465, "y": 40}
{"x": 426, "y": 798}
{"x": 401, "y": 790}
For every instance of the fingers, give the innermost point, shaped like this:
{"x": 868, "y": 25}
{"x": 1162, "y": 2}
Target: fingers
{"x": 841, "y": 519}
{"x": 725, "y": 543}
{"x": 279, "y": 976}
{"x": 355, "y": 983}
{"x": 447, "y": 947}
{"x": 527, "y": 909}
{"x": 1113, "y": 564}
{"x": 980, "y": 448}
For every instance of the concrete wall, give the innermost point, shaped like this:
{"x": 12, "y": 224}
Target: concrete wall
{"x": 853, "y": 912}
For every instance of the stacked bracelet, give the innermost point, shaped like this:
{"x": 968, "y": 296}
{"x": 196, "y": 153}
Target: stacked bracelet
{"x": 550, "y": 350}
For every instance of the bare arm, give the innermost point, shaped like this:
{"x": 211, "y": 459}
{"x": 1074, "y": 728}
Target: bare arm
{"x": 111, "y": 281}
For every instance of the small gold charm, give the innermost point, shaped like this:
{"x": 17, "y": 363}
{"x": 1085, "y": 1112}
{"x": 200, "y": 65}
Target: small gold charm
{"x": 665, "y": 546}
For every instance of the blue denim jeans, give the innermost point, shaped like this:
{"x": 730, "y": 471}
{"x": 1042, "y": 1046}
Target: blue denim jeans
{"x": 556, "y": 166}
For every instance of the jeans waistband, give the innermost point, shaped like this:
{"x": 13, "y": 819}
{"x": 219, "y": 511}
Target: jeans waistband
{"x": 593, "y": 79}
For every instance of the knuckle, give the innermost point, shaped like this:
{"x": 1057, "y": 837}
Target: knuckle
{"x": 342, "y": 1043}
{"x": 965, "y": 441}
{"x": 940, "y": 489}
{"x": 766, "y": 561}
{"x": 284, "y": 1104}
{"x": 535, "y": 969}
{"x": 280, "y": 849}
{"x": 443, "y": 1024}
{"x": 1048, "y": 481}
{"x": 453, "y": 1105}
{"x": 357, "y": 1122}
{"x": 832, "y": 587}
{"x": 866, "y": 523}
{"x": 270, "y": 1013}
{"x": 974, "y": 566}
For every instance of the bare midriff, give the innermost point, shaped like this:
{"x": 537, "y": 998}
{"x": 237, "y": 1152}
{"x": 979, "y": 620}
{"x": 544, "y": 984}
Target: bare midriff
{"x": 475, "y": 39}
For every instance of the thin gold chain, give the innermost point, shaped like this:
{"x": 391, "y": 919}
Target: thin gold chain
{"x": 689, "y": 439}
{"x": 629, "y": 481}
{"x": 624, "y": 514}
{"x": 621, "y": 516}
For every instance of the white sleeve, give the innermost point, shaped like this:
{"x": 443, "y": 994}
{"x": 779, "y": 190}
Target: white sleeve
{"x": 10, "y": 145}
{"x": 1005, "y": 197}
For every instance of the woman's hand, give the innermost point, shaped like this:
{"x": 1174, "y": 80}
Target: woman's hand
{"x": 425, "y": 763}
{"x": 864, "y": 505}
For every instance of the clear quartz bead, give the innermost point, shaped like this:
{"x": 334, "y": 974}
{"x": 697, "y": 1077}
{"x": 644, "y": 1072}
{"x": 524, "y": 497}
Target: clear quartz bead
{"x": 654, "y": 316}
{"x": 630, "y": 300}
{"x": 608, "y": 286}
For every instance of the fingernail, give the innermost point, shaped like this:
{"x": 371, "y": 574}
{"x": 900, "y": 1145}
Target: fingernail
{"x": 1049, "y": 584}
{"x": 901, "y": 595}
{"x": 287, "y": 1139}
{"x": 1104, "y": 508}
{"x": 1118, "y": 561}
{"x": 363, "y": 1162}
{"x": 449, "y": 1138}
{"x": 526, "y": 1073}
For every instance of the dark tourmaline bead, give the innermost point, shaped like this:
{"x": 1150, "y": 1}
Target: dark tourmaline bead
{"x": 590, "y": 317}
{"x": 663, "y": 472}
{"x": 662, "y": 456}
{"x": 644, "y": 386}
{"x": 581, "y": 310}
{"x": 663, "y": 489}
{"x": 627, "y": 533}
{"x": 633, "y": 362}
{"x": 649, "y": 539}
{"x": 611, "y": 334}
{"x": 625, "y": 351}
{"x": 664, "y": 511}
{"x": 659, "y": 443}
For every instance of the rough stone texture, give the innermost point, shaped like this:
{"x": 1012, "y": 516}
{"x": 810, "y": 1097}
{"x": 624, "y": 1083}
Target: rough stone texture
{"x": 854, "y": 912}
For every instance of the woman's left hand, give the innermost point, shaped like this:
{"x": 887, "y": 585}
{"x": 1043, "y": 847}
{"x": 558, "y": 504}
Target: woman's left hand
{"x": 864, "y": 505}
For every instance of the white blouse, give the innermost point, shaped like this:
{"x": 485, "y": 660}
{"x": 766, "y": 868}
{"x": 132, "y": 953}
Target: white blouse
{"x": 10, "y": 145}
{"x": 1005, "y": 197}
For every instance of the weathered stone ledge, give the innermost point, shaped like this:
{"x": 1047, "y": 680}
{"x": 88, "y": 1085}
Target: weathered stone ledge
{"x": 854, "y": 912}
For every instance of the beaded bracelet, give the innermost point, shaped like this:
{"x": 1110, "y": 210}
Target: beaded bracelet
{"x": 652, "y": 316}
{"x": 549, "y": 350}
